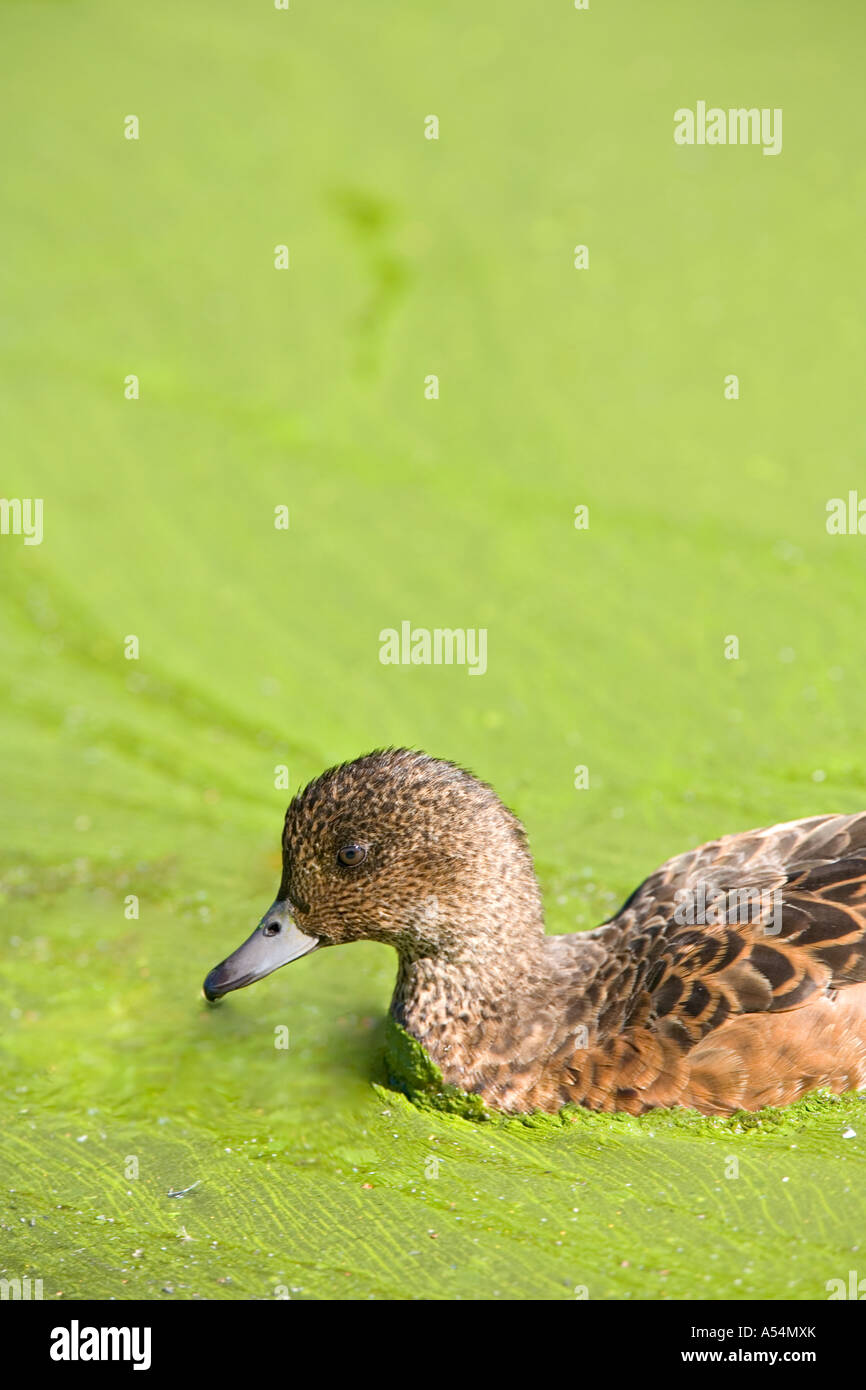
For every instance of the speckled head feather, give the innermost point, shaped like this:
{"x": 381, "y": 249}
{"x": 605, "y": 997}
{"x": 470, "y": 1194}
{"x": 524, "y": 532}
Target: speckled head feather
{"x": 438, "y": 846}
{"x": 735, "y": 1011}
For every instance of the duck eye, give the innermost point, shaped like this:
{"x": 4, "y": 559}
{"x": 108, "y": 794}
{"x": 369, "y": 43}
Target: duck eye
{"x": 352, "y": 855}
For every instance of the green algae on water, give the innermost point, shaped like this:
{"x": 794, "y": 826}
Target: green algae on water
{"x": 154, "y": 778}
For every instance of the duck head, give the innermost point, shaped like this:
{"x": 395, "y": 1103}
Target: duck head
{"x": 400, "y": 848}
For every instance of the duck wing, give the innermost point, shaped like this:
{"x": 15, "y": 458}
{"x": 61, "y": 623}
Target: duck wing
{"x": 758, "y": 923}
{"x": 792, "y": 900}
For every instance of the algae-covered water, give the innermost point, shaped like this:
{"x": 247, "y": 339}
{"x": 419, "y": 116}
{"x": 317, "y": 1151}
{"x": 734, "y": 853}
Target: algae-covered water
{"x": 142, "y": 776}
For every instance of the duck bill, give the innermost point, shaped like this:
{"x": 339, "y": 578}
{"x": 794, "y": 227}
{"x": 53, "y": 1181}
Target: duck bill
{"x": 262, "y": 953}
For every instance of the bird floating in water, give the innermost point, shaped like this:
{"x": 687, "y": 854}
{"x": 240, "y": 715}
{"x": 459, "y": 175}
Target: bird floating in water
{"x": 734, "y": 977}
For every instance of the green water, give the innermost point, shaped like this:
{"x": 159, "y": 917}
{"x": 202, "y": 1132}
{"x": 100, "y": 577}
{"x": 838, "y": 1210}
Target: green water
{"x": 259, "y": 647}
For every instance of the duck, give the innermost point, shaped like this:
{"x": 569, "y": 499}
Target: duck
{"x": 732, "y": 978}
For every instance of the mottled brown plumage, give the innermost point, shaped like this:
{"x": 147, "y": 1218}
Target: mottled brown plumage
{"x": 650, "y": 1009}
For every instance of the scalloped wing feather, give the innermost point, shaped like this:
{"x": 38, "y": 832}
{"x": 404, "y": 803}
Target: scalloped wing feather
{"x": 724, "y": 1014}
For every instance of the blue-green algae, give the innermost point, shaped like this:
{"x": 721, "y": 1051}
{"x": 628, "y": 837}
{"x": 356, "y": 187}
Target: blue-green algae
{"x": 160, "y": 779}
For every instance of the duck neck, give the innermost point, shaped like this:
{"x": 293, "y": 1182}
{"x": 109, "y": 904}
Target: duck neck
{"x": 451, "y": 1004}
